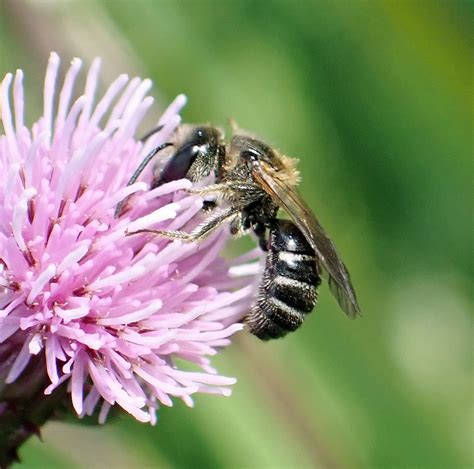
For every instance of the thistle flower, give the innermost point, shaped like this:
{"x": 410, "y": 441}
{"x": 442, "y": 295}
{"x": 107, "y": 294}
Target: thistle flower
{"x": 100, "y": 314}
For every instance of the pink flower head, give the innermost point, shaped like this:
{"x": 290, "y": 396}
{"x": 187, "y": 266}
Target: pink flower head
{"x": 110, "y": 313}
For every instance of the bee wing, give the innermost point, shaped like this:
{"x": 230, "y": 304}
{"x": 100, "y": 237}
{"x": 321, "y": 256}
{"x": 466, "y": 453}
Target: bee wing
{"x": 288, "y": 198}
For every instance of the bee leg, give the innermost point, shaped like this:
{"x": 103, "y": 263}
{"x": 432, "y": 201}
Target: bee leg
{"x": 200, "y": 232}
{"x": 223, "y": 188}
{"x": 211, "y": 189}
{"x": 261, "y": 232}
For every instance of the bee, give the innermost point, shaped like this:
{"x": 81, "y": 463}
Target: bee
{"x": 252, "y": 182}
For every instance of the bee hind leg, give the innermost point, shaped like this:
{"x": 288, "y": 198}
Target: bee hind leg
{"x": 223, "y": 188}
{"x": 261, "y": 232}
{"x": 200, "y": 232}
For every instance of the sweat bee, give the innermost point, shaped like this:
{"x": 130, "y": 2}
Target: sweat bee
{"x": 252, "y": 182}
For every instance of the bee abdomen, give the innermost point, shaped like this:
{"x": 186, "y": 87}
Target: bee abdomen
{"x": 299, "y": 294}
{"x": 288, "y": 290}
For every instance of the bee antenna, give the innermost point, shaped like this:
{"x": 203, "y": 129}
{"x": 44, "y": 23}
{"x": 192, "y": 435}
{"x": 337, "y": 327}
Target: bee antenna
{"x": 138, "y": 171}
{"x": 150, "y": 133}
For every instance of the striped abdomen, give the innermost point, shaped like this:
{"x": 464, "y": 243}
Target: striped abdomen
{"x": 287, "y": 292}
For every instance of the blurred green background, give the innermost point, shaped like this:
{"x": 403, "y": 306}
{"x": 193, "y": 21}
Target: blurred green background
{"x": 375, "y": 98}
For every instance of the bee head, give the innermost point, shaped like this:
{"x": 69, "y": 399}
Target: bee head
{"x": 197, "y": 148}
{"x": 201, "y": 140}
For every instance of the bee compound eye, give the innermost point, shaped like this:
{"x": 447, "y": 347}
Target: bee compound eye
{"x": 178, "y": 165}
